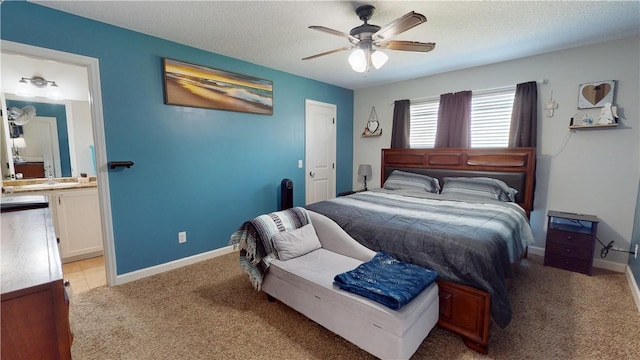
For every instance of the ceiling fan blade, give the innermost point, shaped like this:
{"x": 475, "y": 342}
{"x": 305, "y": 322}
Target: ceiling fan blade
{"x": 406, "y": 45}
{"x": 328, "y": 52}
{"x": 400, "y": 25}
{"x": 335, "y": 32}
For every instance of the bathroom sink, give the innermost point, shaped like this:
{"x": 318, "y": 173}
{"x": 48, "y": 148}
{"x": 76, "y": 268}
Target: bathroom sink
{"x": 45, "y": 186}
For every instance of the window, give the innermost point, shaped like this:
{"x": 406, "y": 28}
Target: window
{"x": 424, "y": 120}
{"x": 490, "y": 119}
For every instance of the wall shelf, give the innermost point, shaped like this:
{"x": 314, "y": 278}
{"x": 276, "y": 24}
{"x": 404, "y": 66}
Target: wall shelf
{"x": 587, "y": 127}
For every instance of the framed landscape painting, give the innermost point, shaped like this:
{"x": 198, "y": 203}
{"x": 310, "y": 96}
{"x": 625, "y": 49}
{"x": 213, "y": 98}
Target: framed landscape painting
{"x": 203, "y": 87}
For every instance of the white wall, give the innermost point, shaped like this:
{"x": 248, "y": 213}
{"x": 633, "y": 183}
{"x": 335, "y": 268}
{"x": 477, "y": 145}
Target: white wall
{"x": 589, "y": 171}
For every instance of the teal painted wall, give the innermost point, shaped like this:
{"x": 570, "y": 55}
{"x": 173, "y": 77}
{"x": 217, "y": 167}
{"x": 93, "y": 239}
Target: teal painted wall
{"x": 60, "y": 113}
{"x": 634, "y": 263}
{"x": 196, "y": 170}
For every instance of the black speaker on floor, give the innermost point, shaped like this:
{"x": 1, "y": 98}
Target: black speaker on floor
{"x": 286, "y": 194}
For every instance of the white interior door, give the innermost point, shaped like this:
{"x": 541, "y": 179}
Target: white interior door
{"x": 41, "y": 136}
{"x": 320, "y": 151}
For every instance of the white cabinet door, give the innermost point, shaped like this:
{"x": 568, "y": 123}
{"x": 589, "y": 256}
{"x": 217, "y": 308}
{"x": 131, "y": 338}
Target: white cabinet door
{"x": 78, "y": 221}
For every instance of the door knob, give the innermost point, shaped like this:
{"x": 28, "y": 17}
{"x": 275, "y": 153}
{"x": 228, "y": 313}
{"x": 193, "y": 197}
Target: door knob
{"x": 312, "y": 173}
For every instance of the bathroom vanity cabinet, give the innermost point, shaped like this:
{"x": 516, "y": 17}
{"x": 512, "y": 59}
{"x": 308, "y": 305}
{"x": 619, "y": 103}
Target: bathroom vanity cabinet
{"x": 76, "y": 218}
{"x": 78, "y": 223}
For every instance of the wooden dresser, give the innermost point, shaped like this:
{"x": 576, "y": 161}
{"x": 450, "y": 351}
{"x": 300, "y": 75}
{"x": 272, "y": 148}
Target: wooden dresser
{"x": 30, "y": 170}
{"x": 35, "y": 309}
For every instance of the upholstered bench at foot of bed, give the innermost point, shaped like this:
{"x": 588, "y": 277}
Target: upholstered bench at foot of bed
{"x": 306, "y": 285}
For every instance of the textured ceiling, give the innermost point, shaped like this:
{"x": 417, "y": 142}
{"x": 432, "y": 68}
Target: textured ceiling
{"x": 275, "y": 33}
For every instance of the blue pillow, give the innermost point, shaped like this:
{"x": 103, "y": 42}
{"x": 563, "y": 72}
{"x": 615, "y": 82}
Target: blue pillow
{"x": 402, "y": 180}
{"x": 479, "y": 187}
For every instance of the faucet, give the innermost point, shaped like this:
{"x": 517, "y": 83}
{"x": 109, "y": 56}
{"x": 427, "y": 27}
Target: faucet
{"x": 51, "y": 180}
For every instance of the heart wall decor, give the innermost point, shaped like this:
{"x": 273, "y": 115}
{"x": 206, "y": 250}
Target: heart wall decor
{"x": 373, "y": 126}
{"x": 596, "y": 94}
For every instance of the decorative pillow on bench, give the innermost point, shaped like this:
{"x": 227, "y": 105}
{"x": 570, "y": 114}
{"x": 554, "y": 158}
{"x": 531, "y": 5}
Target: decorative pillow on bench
{"x": 294, "y": 243}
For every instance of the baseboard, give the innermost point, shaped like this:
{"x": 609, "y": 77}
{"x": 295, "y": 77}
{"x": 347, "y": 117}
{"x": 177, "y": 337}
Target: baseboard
{"x": 601, "y": 264}
{"x": 82, "y": 257}
{"x": 158, "y": 269}
{"x": 534, "y": 250}
{"x": 633, "y": 285}
{"x": 609, "y": 265}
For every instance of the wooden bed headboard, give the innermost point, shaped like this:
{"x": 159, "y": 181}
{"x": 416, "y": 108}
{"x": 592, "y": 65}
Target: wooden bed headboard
{"x": 514, "y": 166}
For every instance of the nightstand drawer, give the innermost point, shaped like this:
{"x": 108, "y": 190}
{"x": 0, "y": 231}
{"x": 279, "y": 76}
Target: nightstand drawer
{"x": 569, "y": 238}
{"x": 569, "y": 250}
{"x": 567, "y": 263}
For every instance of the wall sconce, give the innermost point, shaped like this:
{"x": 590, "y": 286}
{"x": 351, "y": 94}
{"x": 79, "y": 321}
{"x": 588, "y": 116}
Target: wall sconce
{"x": 365, "y": 170}
{"x": 23, "y": 88}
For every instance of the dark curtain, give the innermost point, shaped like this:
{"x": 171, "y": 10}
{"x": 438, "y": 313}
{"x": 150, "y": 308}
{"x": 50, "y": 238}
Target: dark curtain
{"x": 454, "y": 120}
{"x": 401, "y": 130}
{"x": 524, "y": 117}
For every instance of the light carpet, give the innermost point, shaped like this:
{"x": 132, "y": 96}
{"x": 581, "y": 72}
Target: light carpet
{"x": 210, "y": 311}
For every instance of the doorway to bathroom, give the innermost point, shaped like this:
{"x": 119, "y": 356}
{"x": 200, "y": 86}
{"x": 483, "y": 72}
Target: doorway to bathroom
{"x": 86, "y": 154}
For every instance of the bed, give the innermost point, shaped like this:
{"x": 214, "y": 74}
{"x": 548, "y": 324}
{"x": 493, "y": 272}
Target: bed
{"x": 475, "y": 245}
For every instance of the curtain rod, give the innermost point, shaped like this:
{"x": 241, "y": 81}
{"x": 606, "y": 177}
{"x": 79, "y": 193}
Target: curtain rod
{"x": 539, "y": 82}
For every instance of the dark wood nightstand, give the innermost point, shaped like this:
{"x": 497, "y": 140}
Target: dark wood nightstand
{"x": 350, "y": 192}
{"x": 570, "y": 241}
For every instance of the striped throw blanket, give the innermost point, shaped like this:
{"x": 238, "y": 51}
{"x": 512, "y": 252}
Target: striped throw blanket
{"x": 254, "y": 240}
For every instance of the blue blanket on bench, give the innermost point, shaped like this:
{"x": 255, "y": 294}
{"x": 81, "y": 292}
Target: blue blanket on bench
{"x": 386, "y": 280}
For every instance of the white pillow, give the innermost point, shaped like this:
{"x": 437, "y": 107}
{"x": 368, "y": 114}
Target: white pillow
{"x": 294, "y": 243}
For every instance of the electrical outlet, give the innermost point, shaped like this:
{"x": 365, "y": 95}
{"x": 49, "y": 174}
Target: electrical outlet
{"x": 635, "y": 254}
{"x": 182, "y": 237}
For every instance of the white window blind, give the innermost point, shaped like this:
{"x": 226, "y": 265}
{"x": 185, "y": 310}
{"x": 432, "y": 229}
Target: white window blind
{"x": 490, "y": 119}
{"x": 424, "y": 119}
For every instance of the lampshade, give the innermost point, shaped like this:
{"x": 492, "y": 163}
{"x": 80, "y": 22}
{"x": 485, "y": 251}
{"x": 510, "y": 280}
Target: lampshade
{"x": 378, "y": 58}
{"x": 358, "y": 60}
{"x": 54, "y": 92}
{"x": 365, "y": 170}
{"x": 23, "y": 88}
{"x": 19, "y": 142}
{"x": 362, "y": 58}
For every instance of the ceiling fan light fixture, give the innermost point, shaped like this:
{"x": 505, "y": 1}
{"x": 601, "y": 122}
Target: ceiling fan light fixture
{"x": 378, "y": 58}
{"x": 358, "y": 60}
{"x": 366, "y": 38}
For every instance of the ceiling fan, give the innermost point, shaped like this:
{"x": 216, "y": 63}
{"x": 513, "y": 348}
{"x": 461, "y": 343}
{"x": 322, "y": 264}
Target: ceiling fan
{"x": 367, "y": 38}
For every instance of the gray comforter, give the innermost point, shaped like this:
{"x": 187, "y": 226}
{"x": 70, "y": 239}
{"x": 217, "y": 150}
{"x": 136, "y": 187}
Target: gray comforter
{"x": 465, "y": 241}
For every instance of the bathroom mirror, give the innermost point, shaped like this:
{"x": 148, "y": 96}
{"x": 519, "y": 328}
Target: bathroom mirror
{"x": 60, "y": 137}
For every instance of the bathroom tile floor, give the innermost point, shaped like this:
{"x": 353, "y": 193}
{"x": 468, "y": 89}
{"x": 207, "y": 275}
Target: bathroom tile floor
{"x": 85, "y": 275}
